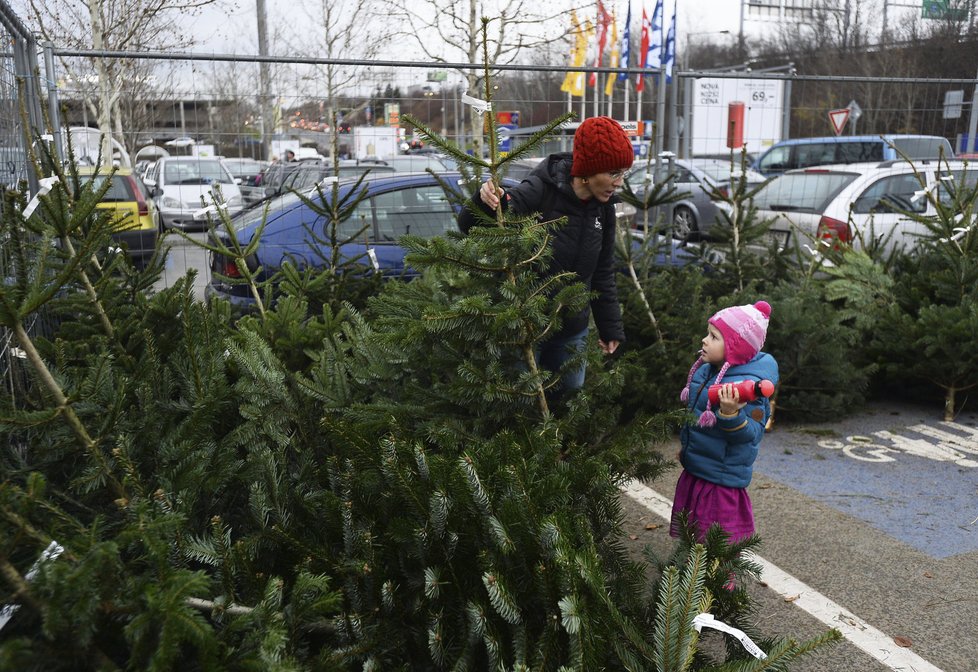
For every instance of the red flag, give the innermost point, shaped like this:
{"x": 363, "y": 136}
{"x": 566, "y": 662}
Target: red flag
{"x": 604, "y": 20}
{"x": 644, "y": 50}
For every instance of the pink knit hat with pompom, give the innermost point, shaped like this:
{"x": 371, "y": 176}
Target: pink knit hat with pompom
{"x": 744, "y": 329}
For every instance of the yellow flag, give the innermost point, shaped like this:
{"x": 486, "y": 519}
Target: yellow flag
{"x": 574, "y": 81}
{"x": 615, "y": 56}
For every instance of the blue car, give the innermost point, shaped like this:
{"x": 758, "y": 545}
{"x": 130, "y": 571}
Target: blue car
{"x": 397, "y": 204}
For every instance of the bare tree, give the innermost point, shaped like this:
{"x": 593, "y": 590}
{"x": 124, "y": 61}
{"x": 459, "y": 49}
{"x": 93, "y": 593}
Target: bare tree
{"x": 113, "y": 25}
{"x": 342, "y": 30}
{"x": 448, "y": 31}
{"x": 237, "y": 112}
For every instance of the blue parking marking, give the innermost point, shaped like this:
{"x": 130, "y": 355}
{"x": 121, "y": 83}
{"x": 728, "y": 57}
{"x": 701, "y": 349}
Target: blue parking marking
{"x": 918, "y": 484}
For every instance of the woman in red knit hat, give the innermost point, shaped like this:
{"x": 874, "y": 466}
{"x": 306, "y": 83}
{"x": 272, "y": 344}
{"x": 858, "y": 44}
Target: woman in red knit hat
{"x": 581, "y": 186}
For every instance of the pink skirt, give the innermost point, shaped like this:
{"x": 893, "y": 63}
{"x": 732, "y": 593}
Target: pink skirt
{"x": 709, "y": 503}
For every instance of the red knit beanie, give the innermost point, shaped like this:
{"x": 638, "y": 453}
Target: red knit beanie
{"x": 600, "y": 146}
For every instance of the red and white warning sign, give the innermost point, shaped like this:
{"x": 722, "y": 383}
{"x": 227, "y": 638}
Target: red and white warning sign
{"x": 839, "y": 119}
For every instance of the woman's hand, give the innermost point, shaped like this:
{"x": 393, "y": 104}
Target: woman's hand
{"x": 608, "y": 347}
{"x": 490, "y": 194}
{"x": 730, "y": 399}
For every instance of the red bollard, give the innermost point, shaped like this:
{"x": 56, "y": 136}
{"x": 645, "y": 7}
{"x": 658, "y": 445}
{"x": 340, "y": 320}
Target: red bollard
{"x": 735, "y": 125}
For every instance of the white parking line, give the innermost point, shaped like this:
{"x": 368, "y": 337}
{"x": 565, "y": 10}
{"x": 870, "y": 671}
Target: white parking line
{"x": 861, "y": 634}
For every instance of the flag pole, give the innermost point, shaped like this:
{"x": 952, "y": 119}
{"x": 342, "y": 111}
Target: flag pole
{"x": 660, "y": 111}
{"x": 638, "y": 108}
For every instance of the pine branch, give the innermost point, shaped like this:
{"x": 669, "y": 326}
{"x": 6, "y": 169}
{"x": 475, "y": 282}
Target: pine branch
{"x": 89, "y": 445}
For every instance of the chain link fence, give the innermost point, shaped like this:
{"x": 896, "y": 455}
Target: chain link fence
{"x": 20, "y": 113}
{"x": 212, "y": 105}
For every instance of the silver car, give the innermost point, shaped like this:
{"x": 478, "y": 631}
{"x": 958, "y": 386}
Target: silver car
{"x": 185, "y": 187}
{"x": 868, "y": 205}
{"x": 697, "y": 183}
{"x": 245, "y": 172}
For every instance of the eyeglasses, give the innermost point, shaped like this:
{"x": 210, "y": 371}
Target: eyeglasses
{"x": 616, "y": 175}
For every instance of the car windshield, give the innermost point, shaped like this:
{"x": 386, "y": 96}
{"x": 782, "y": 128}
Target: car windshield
{"x": 243, "y": 168}
{"x": 808, "y": 191}
{"x": 415, "y": 163}
{"x": 204, "y": 171}
{"x": 120, "y": 188}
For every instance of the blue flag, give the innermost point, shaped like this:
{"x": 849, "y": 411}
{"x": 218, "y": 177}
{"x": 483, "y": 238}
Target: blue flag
{"x": 623, "y": 52}
{"x": 653, "y": 57}
{"x": 669, "y": 48}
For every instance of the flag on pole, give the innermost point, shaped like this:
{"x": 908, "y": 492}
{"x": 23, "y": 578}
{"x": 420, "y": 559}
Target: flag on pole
{"x": 653, "y": 57}
{"x": 604, "y": 20}
{"x": 669, "y": 49}
{"x": 615, "y": 59}
{"x": 625, "y": 39}
{"x": 643, "y": 50}
{"x": 574, "y": 81}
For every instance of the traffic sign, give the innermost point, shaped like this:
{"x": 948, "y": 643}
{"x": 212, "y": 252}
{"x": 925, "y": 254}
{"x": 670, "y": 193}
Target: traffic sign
{"x": 953, "y": 102}
{"x": 839, "y": 119}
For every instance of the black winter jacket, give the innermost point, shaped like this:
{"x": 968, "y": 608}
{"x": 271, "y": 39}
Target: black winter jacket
{"x": 585, "y": 245}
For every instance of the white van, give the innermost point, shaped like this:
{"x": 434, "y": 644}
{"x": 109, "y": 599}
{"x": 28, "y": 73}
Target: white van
{"x": 808, "y": 152}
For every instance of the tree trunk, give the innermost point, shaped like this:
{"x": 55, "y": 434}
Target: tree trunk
{"x": 104, "y": 93}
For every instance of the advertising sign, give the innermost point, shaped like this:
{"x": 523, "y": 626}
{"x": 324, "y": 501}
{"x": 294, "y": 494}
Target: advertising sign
{"x": 763, "y": 109}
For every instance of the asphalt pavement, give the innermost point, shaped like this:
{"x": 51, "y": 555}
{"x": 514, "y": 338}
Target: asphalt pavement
{"x": 874, "y": 519}
{"x": 182, "y": 257}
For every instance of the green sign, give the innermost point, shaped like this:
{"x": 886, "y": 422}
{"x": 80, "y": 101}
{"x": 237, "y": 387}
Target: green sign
{"x": 437, "y": 76}
{"x": 943, "y": 10}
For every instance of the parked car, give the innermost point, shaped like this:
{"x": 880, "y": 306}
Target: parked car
{"x": 246, "y": 173}
{"x": 807, "y": 152}
{"x": 414, "y": 163}
{"x": 397, "y": 204}
{"x": 136, "y": 220}
{"x": 183, "y": 186}
{"x": 697, "y": 182}
{"x": 865, "y": 204}
{"x": 280, "y": 178}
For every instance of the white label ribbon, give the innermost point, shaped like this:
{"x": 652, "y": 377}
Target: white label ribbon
{"x": 706, "y": 620}
{"x": 53, "y": 550}
{"x": 476, "y": 104}
{"x": 45, "y": 187}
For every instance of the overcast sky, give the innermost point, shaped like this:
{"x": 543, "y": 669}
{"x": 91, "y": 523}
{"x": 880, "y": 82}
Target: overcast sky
{"x": 235, "y": 31}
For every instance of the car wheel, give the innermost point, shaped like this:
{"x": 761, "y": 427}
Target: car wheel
{"x": 684, "y": 225}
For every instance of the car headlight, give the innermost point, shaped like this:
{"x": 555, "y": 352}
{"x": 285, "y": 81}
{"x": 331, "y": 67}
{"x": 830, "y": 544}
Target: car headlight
{"x": 170, "y": 202}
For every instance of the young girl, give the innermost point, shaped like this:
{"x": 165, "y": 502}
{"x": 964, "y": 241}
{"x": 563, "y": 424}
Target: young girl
{"x": 718, "y": 451}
